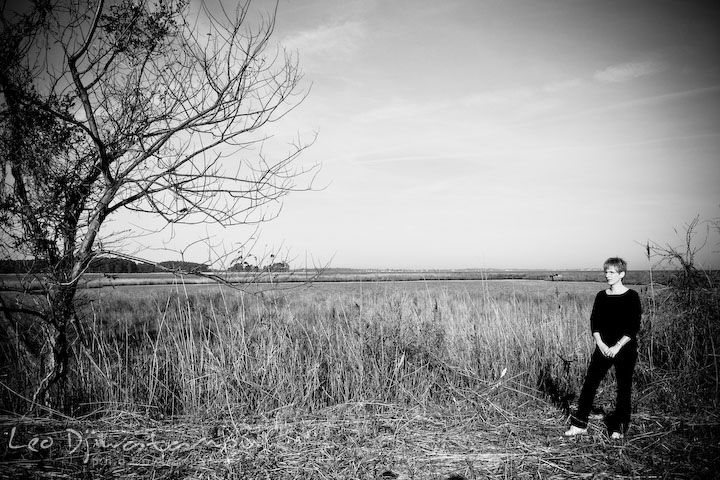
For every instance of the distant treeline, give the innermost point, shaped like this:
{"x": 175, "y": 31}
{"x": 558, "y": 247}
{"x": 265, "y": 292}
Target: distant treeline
{"x": 121, "y": 265}
{"x": 246, "y": 267}
{"x": 105, "y": 265}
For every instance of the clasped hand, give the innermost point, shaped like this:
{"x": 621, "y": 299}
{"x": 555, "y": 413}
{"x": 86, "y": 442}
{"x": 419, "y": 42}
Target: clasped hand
{"x": 609, "y": 352}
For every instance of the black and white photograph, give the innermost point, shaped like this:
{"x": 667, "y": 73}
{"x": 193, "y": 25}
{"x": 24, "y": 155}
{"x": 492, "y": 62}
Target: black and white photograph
{"x": 359, "y": 239}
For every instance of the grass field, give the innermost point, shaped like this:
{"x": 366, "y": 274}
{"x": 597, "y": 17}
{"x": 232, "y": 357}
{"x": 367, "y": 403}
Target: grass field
{"x": 412, "y": 379}
{"x": 247, "y": 279}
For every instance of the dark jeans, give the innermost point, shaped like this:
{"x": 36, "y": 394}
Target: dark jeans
{"x": 624, "y": 363}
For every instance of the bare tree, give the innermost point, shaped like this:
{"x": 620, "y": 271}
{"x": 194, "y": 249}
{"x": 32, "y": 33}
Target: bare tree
{"x": 141, "y": 105}
{"x": 683, "y": 257}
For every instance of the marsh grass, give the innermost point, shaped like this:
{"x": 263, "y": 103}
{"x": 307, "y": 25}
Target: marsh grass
{"x": 357, "y": 380}
{"x": 191, "y": 349}
{"x": 181, "y": 352}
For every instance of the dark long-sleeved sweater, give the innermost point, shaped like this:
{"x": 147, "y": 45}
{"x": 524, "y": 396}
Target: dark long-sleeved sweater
{"x": 616, "y": 315}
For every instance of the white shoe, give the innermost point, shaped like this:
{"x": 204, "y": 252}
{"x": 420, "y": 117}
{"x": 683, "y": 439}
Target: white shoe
{"x": 616, "y": 436}
{"x": 575, "y": 431}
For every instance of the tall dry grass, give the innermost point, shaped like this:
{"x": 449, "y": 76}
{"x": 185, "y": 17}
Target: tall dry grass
{"x": 681, "y": 346}
{"x": 307, "y": 349}
{"x": 217, "y": 351}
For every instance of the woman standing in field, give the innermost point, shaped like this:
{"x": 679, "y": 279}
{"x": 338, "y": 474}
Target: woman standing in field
{"x": 615, "y": 321}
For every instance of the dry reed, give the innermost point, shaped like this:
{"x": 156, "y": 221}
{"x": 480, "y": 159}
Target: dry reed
{"x": 411, "y": 381}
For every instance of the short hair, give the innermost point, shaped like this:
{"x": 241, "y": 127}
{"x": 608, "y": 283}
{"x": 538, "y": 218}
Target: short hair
{"x": 617, "y": 262}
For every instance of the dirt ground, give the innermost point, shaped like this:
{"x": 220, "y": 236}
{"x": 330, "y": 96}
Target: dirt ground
{"x": 359, "y": 441}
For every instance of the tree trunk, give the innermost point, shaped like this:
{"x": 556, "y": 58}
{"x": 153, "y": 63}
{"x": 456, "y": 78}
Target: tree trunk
{"x": 55, "y": 353}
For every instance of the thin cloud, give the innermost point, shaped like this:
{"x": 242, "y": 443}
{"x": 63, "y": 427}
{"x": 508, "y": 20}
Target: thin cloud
{"x": 561, "y": 86}
{"x": 380, "y": 157}
{"x": 519, "y": 95}
{"x": 500, "y": 97}
{"x": 625, "y": 72}
{"x": 337, "y": 40}
{"x": 397, "y": 110}
{"x": 653, "y": 100}
{"x": 524, "y": 103}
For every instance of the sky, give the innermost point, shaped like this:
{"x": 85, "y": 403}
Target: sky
{"x": 499, "y": 133}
